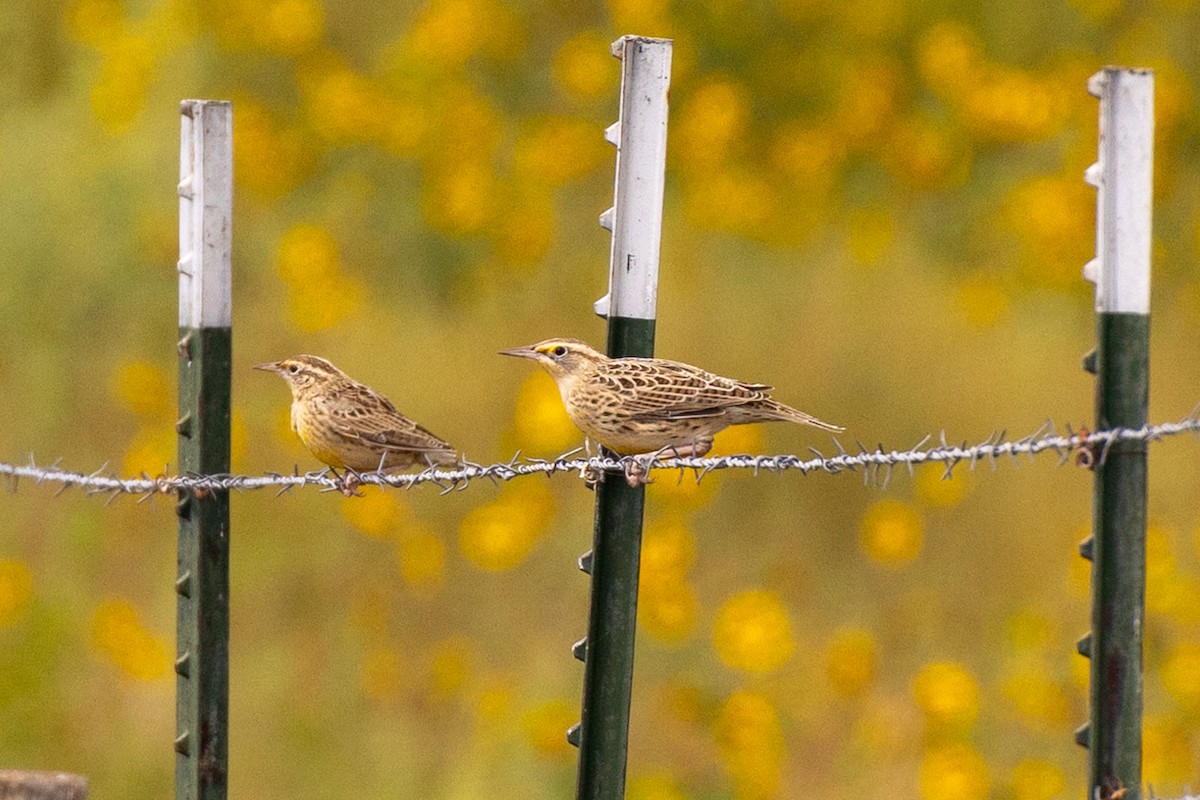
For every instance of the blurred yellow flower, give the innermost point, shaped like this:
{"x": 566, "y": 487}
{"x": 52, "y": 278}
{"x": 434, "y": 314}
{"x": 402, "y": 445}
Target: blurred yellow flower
{"x": 494, "y": 699}
{"x": 239, "y": 439}
{"x": 851, "y": 660}
{"x": 811, "y": 153}
{"x": 647, "y": 17}
{"x": 382, "y": 673}
{"x": 668, "y": 549}
{"x": 1008, "y": 104}
{"x": 345, "y": 106}
{"x": 290, "y": 27}
{"x": 738, "y": 440}
{"x": 1031, "y": 631}
{"x": 584, "y": 69}
{"x": 1037, "y": 698}
{"x": 16, "y": 591}
{"x": 120, "y": 636}
{"x": 1168, "y": 592}
{"x": 319, "y": 294}
{"x": 1160, "y": 552}
{"x": 545, "y": 727}
{"x": 556, "y": 150}
{"x": 1176, "y": 594}
{"x": 269, "y": 159}
{"x": 143, "y": 388}
{"x": 1036, "y": 779}
{"x": 935, "y": 489}
{"x": 152, "y": 448}
{"x": 459, "y": 199}
{"x": 981, "y": 300}
{"x": 306, "y": 252}
{"x": 752, "y": 632}
{"x": 750, "y": 740}
{"x": 947, "y": 694}
{"x": 450, "y": 666}
{"x": 539, "y": 419}
{"x": 120, "y": 92}
{"x": 924, "y": 154}
{"x": 870, "y": 233}
{"x": 95, "y": 22}
{"x": 730, "y": 199}
{"x": 947, "y": 57}
{"x": 1053, "y": 217}
{"x": 667, "y": 602}
{"x": 377, "y": 513}
{"x": 1181, "y": 675}
{"x": 667, "y": 609}
{"x": 1166, "y": 752}
{"x": 499, "y": 535}
{"x": 709, "y": 122}
{"x": 892, "y": 533}
{"x": 868, "y": 101}
{"x": 422, "y": 559}
{"x": 466, "y": 127}
{"x": 450, "y": 31}
{"x": 681, "y": 489}
{"x": 655, "y": 786}
{"x": 954, "y": 772}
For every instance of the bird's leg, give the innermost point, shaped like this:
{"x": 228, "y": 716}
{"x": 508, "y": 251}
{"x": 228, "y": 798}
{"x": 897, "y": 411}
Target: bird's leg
{"x": 638, "y": 467}
{"x": 591, "y": 476}
{"x": 349, "y": 482}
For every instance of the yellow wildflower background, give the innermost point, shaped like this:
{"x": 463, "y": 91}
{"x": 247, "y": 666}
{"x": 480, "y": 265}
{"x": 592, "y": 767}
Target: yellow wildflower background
{"x": 878, "y": 207}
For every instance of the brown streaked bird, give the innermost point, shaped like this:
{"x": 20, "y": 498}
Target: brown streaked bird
{"x": 652, "y": 405}
{"x": 348, "y": 425}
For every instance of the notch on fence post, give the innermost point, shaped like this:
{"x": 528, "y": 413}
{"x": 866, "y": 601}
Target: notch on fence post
{"x": 205, "y": 352}
{"x": 640, "y": 136}
{"x": 1122, "y": 176}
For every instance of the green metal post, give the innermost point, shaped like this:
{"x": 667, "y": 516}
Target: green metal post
{"x": 1117, "y": 547}
{"x": 612, "y": 624}
{"x": 636, "y": 222}
{"x": 205, "y": 352}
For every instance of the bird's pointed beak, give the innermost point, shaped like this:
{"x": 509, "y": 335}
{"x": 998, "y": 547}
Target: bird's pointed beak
{"x": 270, "y": 366}
{"x": 521, "y": 352}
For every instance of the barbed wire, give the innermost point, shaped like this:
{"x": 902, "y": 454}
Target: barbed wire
{"x": 1085, "y": 447}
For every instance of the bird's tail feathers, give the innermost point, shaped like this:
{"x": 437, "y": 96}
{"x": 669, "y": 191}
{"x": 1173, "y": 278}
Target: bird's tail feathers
{"x": 786, "y": 413}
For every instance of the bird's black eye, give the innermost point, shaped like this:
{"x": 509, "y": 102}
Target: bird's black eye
{"x": 560, "y": 351}
{"x": 293, "y": 368}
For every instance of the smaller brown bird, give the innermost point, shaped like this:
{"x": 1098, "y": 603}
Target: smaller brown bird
{"x": 348, "y": 425}
{"x": 652, "y": 405}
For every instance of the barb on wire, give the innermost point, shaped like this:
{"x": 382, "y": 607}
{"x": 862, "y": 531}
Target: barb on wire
{"x": 1087, "y": 448}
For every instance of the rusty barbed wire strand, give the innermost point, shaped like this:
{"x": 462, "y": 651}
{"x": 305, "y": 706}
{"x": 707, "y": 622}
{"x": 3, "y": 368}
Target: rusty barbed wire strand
{"x": 1088, "y": 448}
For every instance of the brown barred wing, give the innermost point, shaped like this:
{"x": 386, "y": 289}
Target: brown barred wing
{"x": 657, "y": 389}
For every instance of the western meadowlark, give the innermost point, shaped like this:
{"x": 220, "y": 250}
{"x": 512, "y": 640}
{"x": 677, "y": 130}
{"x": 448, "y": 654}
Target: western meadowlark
{"x": 349, "y": 425}
{"x": 651, "y": 405}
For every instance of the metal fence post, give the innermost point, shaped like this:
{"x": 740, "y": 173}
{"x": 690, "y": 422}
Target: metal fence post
{"x": 640, "y": 136}
{"x": 1121, "y": 271}
{"x": 205, "y": 349}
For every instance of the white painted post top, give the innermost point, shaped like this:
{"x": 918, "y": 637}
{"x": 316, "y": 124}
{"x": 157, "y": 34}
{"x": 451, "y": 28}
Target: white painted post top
{"x": 1123, "y": 176}
{"x": 205, "y": 213}
{"x": 640, "y": 136}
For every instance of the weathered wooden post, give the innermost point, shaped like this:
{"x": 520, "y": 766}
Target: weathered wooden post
{"x": 1121, "y": 271}
{"x": 205, "y": 351}
{"x": 640, "y": 135}
{"x": 27, "y": 785}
